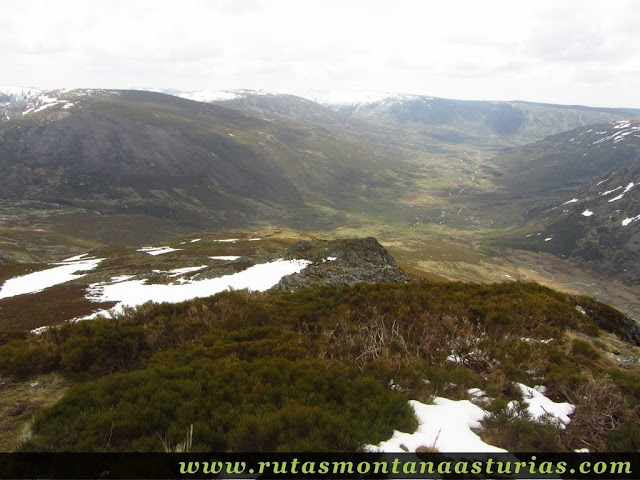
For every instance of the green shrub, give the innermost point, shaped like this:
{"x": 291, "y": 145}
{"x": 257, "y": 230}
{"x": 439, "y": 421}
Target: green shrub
{"x": 584, "y": 349}
{"x": 624, "y": 439}
{"x": 273, "y": 404}
{"x": 513, "y": 429}
{"x": 27, "y": 358}
{"x": 236, "y": 365}
{"x": 294, "y": 428}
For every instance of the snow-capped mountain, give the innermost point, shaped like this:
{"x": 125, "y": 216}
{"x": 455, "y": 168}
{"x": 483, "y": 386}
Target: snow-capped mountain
{"x": 20, "y": 101}
{"x": 329, "y": 98}
{"x": 210, "y": 96}
{"x": 478, "y": 123}
{"x": 16, "y": 94}
{"x": 82, "y": 147}
{"x": 268, "y": 104}
{"x": 356, "y": 98}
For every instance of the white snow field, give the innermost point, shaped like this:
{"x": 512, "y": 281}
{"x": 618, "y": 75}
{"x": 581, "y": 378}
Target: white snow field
{"x": 259, "y": 277}
{"x": 38, "y": 281}
{"x": 447, "y": 425}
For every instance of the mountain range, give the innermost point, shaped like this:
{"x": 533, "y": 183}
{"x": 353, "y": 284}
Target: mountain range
{"x": 221, "y": 247}
{"x": 132, "y": 166}
{"x": 185, "y": 162}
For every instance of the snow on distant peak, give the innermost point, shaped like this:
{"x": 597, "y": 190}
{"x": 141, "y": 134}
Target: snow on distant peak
{"x": 20, "y": 93}
{"x": 350, "y": 98}
{"x": 208, "y": 96}
{"x": 27, "y": 100}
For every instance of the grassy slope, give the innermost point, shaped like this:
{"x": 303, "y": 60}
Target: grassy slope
{"x": 432, "y": 225}
{"x": 212, "y": 350}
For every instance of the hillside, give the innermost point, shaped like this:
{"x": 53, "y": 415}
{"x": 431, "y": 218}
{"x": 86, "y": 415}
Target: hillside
{"x": 560, "y": 163}
{"x": 575, "y": 192}
{"x": 332, "y": 369}
{"x": 474, "y": 123}
{"x": 109, "y": 280}
{"x": 183, "y": 163}
{"x": 321, "y": 353}
{"x": 274, "y": 339}
{"x": 270, "y": 105}
{"x": 598, "y": 225}
{"x": 418, "y": 120}
{"x": 87, "y": 169}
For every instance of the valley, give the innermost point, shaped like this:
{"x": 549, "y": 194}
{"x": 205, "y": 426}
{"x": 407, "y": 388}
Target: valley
{"x": 437, "y": 245}
{"x": 463, "y": 206}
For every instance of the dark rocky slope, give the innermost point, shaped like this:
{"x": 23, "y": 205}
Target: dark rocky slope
{"x": 342, "y": 262}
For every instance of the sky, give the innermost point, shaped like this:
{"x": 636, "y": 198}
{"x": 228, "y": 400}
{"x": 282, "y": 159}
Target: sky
{"x": 568, "y": 52}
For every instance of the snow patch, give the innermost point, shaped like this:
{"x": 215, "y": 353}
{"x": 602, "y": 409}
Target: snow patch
{"x": 136, "y": 292}
{"x": 628, "y": 220}
{"x": 539, "y": 406}
{"x": 476, "y": 392}
{"x": 46, "y": 105}
{"x": 121, "y": 278}
{"x": 622, "y": 129}
{"x": 179, "y": 271}
{"x": 38, "y": 281}
{"x": 225, "y": 257}
{"x": 447, "y": 426}
{"x": 587, "y": 213}
{"x": 610, "y": 191}
{"x": 573, "y": 200}
{"x": 157, "y": 250}
{"x": 534, "y": 340}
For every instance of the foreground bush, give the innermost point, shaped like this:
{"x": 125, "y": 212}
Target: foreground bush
{"x": 270, "y": 405}
{"x": 325, "y": 368}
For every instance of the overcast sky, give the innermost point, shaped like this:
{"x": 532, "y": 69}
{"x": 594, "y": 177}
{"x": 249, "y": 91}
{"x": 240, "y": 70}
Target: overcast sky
{"x": 558, "y": 51}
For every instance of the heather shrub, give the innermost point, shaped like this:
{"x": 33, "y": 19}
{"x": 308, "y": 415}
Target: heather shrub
{"x": 267, "y": 405}
{"x": 514, "y": 429}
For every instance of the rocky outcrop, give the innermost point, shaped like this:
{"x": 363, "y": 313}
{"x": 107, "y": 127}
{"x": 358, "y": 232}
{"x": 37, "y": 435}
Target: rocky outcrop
{"x": 341, "y": 262}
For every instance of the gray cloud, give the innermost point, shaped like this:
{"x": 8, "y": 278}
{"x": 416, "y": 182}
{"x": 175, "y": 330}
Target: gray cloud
{"x": 465, "y": 49}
